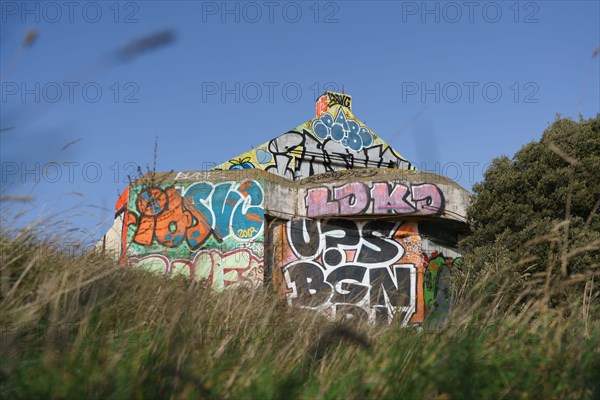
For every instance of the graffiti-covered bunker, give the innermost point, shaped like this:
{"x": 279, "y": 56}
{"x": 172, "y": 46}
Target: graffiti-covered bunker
{"x": 328, "y": 214}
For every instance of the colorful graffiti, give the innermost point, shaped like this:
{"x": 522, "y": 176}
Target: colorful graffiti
{"x": 335, "y": 140}
{"x": 217, "y": 269}
{"x": 169, "y": 216}
{"x": 374, "y": 198}
{"x": 329, "y": 99}
{"x": 438, "y": 269}
{"x": 297, "y": 155}
{"x": 341, "y": 99}
{"x": 241, "y": 163}
{"x": 347, "y": 269}
{"x": 169, "y": 225}
{"x": 347, "y": 132}
{"x": 375, "y": 270}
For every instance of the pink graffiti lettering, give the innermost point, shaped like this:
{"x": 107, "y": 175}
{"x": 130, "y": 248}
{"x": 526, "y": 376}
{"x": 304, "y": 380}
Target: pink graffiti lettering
{"x": 353, "y": 198}
{"x": 317, "y": 202}
{"x": 381, "y": 198}
{"x": 428, "y": 198}
{"x": 385, "y": 201}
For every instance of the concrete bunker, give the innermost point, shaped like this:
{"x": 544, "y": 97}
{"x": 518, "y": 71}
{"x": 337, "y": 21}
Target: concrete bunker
{"x": 328, "y": 214}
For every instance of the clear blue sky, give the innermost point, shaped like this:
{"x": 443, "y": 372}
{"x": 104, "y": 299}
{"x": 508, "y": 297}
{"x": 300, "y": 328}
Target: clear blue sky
{"x": 454, "y": 83}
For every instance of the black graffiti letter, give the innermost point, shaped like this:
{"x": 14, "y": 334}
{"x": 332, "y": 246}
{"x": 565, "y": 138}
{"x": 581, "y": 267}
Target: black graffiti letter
{"x": 349, "y": 292}
{"x": 304, "y": 237}
{"x": 381, "y": 249}
{"x": 338, "y": 232}
{"x": 382, "y": 285}
{"x": 310, "y": 284}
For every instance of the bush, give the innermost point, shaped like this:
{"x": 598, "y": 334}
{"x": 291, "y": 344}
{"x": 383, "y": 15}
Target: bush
{"x": 543, "y": 208}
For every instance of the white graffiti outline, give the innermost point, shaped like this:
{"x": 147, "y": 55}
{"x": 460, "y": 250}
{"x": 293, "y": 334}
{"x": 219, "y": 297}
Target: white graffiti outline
{"x": 390, "y": 266}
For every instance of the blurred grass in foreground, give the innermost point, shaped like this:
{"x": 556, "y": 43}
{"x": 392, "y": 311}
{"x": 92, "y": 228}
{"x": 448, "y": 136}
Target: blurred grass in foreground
{"x": 78, "y": 326}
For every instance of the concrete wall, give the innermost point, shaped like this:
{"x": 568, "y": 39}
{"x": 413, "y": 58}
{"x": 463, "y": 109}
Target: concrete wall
{"x": 374, "y": 244}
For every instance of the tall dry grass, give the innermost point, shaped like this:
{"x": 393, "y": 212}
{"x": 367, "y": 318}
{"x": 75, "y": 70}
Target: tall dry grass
{"x": 79, "y": 326}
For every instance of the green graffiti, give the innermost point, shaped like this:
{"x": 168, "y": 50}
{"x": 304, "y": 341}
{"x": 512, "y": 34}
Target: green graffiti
{"x": 436, "y": 283}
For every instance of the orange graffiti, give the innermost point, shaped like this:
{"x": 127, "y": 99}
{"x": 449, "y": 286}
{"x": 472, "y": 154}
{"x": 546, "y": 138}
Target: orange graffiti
{"x": 162, "y": 217}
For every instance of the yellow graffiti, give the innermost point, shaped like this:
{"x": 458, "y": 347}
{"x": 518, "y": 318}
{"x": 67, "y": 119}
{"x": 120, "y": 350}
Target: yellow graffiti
{"x": 246, "y": 233}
